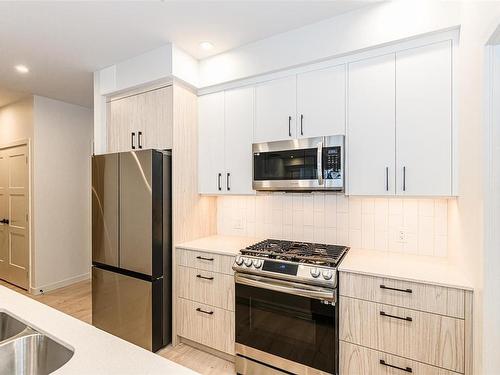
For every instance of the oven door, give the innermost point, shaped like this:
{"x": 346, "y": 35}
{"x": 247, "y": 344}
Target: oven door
{"x": 284, "y": 326}
{"x": 300, "y": 164}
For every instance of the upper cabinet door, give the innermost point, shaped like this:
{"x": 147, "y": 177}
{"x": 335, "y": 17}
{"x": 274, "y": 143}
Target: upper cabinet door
{"x": 275, "y": 110}
{"x": 239, "y": 119}
{"x": 211, "y": 144}
{"x": 321, "y": 102}
{"x": 424, "y": 120}
{"x": 371, "y": 128}
{"x": 123, "y": 122}
{"x": 156, "y": 118}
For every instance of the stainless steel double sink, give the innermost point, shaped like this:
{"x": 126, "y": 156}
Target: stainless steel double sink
{"x": 23, "y": 350}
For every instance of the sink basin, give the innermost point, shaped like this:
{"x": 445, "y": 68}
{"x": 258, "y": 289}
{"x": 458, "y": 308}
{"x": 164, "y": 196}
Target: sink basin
{"x": 35, "y": 354}
{"x": 9, "y": 326}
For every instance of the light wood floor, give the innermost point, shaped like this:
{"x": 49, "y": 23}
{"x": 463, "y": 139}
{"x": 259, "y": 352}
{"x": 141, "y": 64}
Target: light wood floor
{"x": 76, "y": 300}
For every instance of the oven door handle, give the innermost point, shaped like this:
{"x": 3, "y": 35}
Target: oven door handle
{"x": 309, "y": 291}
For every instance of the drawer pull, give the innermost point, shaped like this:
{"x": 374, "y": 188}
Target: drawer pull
{"x": 204, "y": 312}
{"x": 202, "y": 258}
{"x": 204, "y": 277}
{"x": 382, "y": 286}
{"x": 407, "y": 369}
{"x": 408, "y": 319}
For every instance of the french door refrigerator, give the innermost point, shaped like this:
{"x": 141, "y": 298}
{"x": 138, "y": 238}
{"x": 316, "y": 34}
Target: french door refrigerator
{"x": 131, "y": 246}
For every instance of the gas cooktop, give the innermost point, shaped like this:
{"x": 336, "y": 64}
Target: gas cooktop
{"x": 301, "y": 252}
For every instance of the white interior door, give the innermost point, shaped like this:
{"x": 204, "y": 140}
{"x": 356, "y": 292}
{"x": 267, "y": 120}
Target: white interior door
{"x": 275, "y": 110}
{"x": 423, "y": 120}
{"x": 14, "y": 205}
{"x": 321, "y": 102}
{"x": 239, "y": 116}
{"x": 371, "y": 127}
{"x": 211, "y": 144}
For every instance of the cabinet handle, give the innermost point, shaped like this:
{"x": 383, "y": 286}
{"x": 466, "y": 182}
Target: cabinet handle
{"x": 139, "y": 134}
{"x": 289, "y": 126}
{"x": 382, "y": 286}
{"x": 386, "y": 178}
{"x": 301, "y": 123}
{"x": 132, "y": 140}
{"x": 218, "y": 181}
{"x": 408, "y": 319}
{"x": 204, "y": 312}
{"x": 404, "y": 178}
{"x": 202, "y": 258}
{"x": 227, "y": 182}
{"x": 407, "y": 369}
{"x": 204, "y": 277}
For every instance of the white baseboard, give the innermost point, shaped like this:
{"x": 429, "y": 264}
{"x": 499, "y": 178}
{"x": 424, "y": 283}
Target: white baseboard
{"x": 59, "y": 284}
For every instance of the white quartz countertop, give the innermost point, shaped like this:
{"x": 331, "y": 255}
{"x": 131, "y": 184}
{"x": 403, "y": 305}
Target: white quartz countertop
{"x": 96, "y": 352}
{"x": 226, "y": 245}
{"x": 425, "y": 269}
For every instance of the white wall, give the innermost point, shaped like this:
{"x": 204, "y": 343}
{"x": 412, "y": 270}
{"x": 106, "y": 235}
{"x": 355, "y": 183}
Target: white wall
{"x": 61, "y": 194}
{"x": 16, "y": 121}
{"x": 362, "y": 223}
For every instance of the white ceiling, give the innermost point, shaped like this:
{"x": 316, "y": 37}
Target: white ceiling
{"x": 64, "y": 42}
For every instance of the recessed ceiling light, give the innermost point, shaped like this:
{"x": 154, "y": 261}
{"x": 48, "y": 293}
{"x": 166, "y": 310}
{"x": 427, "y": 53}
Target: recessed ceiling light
{"x": 22, "y": 68}
{"x": 206, "y": 46}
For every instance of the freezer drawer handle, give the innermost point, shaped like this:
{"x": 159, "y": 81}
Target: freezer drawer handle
{"x": 382, "y": 286}
{"x": 203, "y": 258}
{"x": 204, "y": 277}
{"x": 204, "y": 312}
{"x": 407, "y": 369}
{"x": 408, "y": 319}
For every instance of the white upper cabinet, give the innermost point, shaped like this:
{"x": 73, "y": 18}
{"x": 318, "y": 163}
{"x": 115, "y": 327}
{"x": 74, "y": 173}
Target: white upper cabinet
{"x": 225, "y": 142}
{"x": 239, "y": 118}
{"x": 275, "y": 110}
{"x": 211, "y": 143}
{"x": 371, "y": 128}
{"x": 321, "y": 98}
{"x": 424, "y": 120}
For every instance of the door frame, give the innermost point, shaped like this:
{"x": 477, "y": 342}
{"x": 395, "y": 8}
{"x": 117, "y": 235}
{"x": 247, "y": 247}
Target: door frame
{"x": 27, "y": 142}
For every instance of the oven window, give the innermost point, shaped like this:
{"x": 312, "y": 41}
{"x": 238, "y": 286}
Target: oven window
{"x": 293, "y": 327}
{"x": 286, "y": 165}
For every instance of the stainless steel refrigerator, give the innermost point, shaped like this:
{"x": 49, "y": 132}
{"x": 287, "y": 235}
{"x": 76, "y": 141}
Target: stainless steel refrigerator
{"x": 132, "y": 246}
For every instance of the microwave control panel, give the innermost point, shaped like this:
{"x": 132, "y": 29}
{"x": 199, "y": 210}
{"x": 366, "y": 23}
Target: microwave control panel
{"x": 332, "y": 162}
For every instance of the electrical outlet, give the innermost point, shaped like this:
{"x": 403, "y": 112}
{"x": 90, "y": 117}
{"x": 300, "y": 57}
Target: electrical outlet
{"x": 403, "y": 236}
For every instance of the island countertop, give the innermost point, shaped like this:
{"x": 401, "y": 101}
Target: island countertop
{"x": 95, "y": 351}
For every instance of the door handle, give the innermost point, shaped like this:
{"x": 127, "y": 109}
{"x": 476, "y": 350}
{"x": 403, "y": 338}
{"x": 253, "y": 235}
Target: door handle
{"x": 5, "y": 221}
{"x": 139, "y": 135}
{"x": 204, "y": 311}
{"x": 386, "y": 178}
{"x": 227, "y": 182}
{"x": 408, "y": 318}
{"x": 218, "y": 181}
{"x": 132, "y": 140}
{"x": 204, "y": 277}
{"x": 289, "y": 126}
{"x": 404, "y": 178}
{"x": 301, "y": 123}
{"x": 407, "y": 369}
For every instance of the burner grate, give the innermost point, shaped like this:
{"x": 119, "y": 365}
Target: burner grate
{"x": 321, "y": 254}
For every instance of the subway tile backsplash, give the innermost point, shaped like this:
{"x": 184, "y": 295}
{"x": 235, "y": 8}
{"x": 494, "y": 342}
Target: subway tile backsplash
{"x": 416, "y": 226}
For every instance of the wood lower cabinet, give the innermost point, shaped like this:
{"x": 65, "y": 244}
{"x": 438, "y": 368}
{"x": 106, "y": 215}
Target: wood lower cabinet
{"x": 388, "y": 326}
{"x": 358, "y": 360}
{"x": 207, "y": 325}
{"x": 205, "y": 298}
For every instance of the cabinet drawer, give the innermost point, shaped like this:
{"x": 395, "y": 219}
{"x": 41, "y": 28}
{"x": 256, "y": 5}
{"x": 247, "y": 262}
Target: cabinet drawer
{"x": 205, "y": 261}
{"x": 207, "y": 287}
{"x": 357, "y": 360}
{"x": 434, "y": 339}
{"x": 423, "y": 297}
{"x": 206, "y": 325}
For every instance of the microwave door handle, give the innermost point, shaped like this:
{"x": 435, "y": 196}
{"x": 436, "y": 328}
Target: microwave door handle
{"x": 320, "y": 163}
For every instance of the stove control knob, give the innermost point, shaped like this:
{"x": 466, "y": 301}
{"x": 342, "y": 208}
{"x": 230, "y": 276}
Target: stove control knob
{"x": 327, "y": 274}
{"x": 239, "y": 260}
{"x": 315, "y": 272}
{"x": 248, "y": 262}
{"x": 257, "y": 263}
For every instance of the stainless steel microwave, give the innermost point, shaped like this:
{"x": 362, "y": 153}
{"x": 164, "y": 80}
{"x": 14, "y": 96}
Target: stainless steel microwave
{"x": 299, "y": 164}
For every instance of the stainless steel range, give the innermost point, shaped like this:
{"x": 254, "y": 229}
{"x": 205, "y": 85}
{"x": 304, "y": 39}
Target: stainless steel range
{"x": 286, "y": 308}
